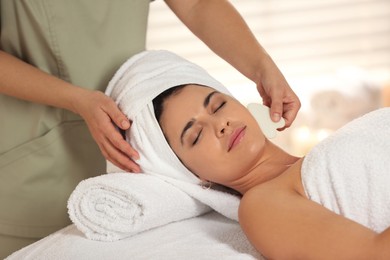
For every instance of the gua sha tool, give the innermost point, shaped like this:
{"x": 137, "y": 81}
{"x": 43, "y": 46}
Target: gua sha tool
{"x": 261, "y": 114}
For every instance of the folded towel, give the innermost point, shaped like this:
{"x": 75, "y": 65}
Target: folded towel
{"x": 349, "y": 172}
{"x": 111, "y": 207}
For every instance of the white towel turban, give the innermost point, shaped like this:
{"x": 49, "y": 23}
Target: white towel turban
{"x": 134, "y": 86}
{"x": 139, "y": 80}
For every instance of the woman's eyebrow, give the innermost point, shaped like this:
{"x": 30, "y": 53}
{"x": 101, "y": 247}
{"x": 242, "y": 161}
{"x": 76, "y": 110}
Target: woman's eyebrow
{"x": 190, "y": 123}
{"x": 208, "y": 98}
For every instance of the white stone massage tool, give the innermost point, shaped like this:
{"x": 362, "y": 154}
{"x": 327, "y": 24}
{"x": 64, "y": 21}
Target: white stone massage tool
{"x": 263, "y": 118}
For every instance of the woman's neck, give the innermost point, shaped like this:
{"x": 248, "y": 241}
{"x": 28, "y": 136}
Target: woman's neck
{"x": 273, "y": 162}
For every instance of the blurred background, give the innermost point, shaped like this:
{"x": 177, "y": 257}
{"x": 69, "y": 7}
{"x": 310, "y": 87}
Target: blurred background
{"x": 335, "y": 54}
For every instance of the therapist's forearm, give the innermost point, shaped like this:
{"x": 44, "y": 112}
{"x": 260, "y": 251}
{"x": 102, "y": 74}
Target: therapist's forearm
{"x": 24, "y": 81}
{"x": 218, "y": 24}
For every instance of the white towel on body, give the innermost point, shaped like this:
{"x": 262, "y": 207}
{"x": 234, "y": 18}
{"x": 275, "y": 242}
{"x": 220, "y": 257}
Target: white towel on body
{"x": 349, "y": 172}
{"x": 133, "y": 88}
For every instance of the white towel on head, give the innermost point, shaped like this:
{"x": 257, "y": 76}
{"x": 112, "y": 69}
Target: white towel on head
{"x": 134, "y": 86}
{"x": 139, "y": 80}
{"x": 349, "y": 172}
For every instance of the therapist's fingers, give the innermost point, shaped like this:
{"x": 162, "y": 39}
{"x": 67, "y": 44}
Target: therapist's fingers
{"x": 276, "y": 108}
{"x": 279, "y": 97}
{"x": 113, "y": 146}
{"x": 98, "y": 111}
{"x": 118, "y": 158}
{"x": 272, "y": 98}
{"x": 115, "y": 138}
{"x": 291, "y": 108}
{"x": 117, "y": 116}
{"x": 117, "y": 148}
{"x": 289, "y": 104}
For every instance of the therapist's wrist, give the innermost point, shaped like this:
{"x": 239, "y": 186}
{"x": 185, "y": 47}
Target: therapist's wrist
{"x": 259, "y": 63}
{"x": 264, "y": 66}
{"x": 74, "y": 97}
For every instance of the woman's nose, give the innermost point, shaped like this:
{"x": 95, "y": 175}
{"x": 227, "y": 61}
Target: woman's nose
{"x": 222, "y": 128}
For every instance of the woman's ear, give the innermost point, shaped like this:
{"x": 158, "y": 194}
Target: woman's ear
{"x": 263, "y": 118}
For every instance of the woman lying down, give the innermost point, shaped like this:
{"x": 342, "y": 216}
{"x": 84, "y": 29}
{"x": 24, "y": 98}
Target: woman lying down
{"x": 332, "y": 204}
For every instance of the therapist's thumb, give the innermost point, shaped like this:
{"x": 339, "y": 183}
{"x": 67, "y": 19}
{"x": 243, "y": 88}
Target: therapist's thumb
{"x": 276, "y": 110}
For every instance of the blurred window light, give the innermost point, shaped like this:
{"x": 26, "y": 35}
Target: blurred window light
{"x": 310, "y": 41}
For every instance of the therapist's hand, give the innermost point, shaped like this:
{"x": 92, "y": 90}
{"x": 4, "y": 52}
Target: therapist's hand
{"x": 101, "y": 113}
{"x": 277, "y": 94}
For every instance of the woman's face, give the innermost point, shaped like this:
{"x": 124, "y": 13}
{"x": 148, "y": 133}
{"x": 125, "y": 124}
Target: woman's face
{"x": 213, "y": 134}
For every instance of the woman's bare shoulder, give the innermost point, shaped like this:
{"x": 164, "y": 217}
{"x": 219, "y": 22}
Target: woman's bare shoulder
{"x": 261, "y": 197}
{"x": 274, "y": 217}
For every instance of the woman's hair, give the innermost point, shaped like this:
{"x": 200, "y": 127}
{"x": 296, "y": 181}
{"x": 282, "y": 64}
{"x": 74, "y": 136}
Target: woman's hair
{"x": 158, "y": 106}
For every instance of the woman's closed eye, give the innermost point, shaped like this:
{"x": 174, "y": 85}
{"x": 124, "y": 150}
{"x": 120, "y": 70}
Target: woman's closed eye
{"x": 219, "y": 107}
{"x": 197, "y": 137}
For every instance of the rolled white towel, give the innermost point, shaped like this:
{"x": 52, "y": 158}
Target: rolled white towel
{"x": 115, "y": 206}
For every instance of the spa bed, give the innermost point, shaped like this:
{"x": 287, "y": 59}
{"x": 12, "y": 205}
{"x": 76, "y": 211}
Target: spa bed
{"x": 210, "y": 236}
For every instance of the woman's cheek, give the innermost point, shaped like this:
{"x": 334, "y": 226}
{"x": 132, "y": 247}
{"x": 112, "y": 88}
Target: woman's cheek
{"x": 195, "y": 162}
{"x": 254, "y": 148}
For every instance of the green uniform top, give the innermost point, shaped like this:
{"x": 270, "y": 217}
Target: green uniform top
{"x": 44, "y": 151}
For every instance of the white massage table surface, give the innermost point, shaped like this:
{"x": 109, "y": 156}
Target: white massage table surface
{"x": 210, "y": 236}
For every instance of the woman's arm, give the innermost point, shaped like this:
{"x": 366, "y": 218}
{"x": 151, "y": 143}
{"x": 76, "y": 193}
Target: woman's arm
{"x": 284, "y": 225}
{"x": 21, "y": 80}
{"x": 221, "y": 27}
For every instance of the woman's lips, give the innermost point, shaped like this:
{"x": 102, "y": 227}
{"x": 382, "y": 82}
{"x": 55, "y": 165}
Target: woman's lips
{"x": 236, "y": 137}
